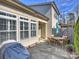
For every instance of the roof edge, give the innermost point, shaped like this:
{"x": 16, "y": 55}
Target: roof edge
{"x": 38, "y": 4}
{"x": 48, "y": 3}
{"x": 23, "y": 6}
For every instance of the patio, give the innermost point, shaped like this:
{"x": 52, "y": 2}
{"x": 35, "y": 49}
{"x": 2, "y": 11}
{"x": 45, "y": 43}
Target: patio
{"x": 47, "y": 51}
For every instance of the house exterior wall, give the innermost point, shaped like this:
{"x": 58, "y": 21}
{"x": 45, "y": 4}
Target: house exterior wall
{"x": 49, "y": 25}
{"x": 18, "y": 13}
{"x": 54, "y": 17}
{"x": 45, "y": 10}
{"x": 50, "y": 12}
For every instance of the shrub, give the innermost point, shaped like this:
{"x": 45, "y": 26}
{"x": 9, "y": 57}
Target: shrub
{"x": 76, "y": 36}
{"x": 69, "y": 48}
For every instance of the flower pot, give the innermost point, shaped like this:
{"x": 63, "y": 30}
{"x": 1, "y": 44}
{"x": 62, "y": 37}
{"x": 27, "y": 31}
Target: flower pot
{"x": 70, "y": 50}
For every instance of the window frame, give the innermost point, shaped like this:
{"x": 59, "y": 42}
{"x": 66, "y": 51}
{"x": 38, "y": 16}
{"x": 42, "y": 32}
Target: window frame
{"x": 9, "y": 33}
{"x": 32, "y": 29}
{"x": 8, "y": 14}
{"x": 24, "y": 20}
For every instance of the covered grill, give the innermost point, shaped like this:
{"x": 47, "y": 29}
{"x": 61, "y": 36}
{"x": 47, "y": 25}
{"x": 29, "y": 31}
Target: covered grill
{"x": 13, "y": 50}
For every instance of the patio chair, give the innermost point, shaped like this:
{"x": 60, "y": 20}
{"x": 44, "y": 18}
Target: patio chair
{"x": 64, "y": 41}
{"x": 61, "y": 43}
{"x": 51, "y": 40}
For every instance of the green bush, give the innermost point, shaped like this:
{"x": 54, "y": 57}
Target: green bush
{"x": 69, "y": 48}
{"x": 76, "y": 36}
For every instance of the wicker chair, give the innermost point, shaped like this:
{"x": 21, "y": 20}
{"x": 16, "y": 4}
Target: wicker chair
{"x": 50, "y": 40}
{"x": 64, "y": 41}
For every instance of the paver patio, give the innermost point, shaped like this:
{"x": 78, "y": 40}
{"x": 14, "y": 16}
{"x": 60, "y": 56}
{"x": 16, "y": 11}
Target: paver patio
{"x": 45, "y": 51}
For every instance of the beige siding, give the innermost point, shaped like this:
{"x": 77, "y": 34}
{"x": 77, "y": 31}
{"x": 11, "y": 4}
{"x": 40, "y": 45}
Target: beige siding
{"x": 48, "y": 11}
{"x": 19, "y": 13}
{"x": 49, "y": 26}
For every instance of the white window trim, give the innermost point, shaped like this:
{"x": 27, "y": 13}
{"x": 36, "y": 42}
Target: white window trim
{"x": 2, "y": 16}
{"x": 33, "y": 29}
{"x": 21, "y": 20}
{"x": 8, "y": 18}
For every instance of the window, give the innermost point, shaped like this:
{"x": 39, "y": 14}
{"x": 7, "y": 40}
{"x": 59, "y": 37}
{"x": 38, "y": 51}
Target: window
{"x": 7, "y": 14}
{"x": 7, "y": 29}
{"x": 23, "y": 18}
{"x": 2, "y": 13}
{"x": 33, "y": 29}
{"x": 24, "y": 32}
{"x": 12, "y": 25}
{"x": 3, "y": 24}
{"x": 3, "y": 36}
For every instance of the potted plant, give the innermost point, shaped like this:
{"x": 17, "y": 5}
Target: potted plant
{"x": 69, "y": 48}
